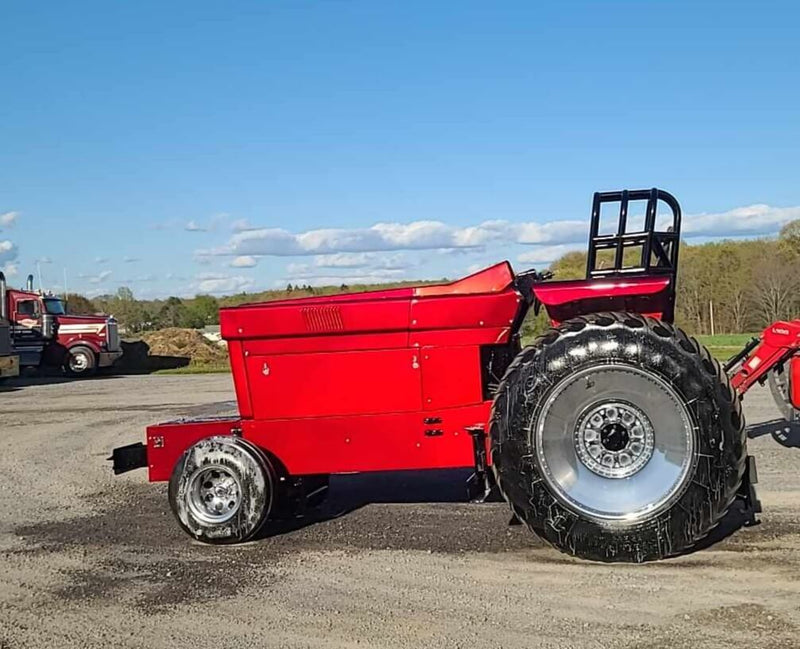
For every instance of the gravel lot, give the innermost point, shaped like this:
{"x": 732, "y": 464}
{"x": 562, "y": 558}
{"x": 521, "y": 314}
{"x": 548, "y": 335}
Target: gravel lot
{"x": 89, "y": 560}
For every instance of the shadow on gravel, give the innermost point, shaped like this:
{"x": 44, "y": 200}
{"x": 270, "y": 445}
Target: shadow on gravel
{"x": 784, "y": 432}
{"x": 134, "y": 551}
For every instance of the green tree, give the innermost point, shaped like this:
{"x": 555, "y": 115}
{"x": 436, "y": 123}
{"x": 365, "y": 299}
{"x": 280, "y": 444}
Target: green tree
{"x": 204, "y": 310}
{"x": 173, "y": 313}
{"x": 80, "y": 305}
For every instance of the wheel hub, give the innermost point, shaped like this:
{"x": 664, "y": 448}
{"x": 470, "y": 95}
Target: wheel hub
{"x": 214, "y": 495}
{"x": 614, "y": 439}
{"x": 79, "y": 362}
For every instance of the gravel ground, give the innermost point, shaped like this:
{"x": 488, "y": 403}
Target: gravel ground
{"x": 89, "y": 560}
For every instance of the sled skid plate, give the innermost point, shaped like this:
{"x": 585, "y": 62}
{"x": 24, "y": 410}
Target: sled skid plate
{"x": 481, "y": 484}
{"x": 747, "y": 493}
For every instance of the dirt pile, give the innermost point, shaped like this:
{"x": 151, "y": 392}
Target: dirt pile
{"x": 185, "y": 343}
{"x": 172, "y": 348}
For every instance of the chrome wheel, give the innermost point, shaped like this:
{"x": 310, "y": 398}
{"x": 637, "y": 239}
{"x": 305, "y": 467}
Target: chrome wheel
{"x": 614, "y": 439}
{"x": 614, "y": 443}
{"x": 214, "y": 495}
{"x": 79, "y": 362}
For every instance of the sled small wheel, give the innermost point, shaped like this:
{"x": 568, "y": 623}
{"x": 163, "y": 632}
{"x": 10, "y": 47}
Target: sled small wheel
{"x": 221, "y": 490}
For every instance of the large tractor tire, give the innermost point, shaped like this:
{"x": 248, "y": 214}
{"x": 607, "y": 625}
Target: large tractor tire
{"x": 222, "y": 490}
{"x": 617, "y": 437}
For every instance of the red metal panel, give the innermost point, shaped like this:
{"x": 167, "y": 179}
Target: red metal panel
{"x": 343, "y": 342}
{"x": 167, "y": 442}
{"x": 240, "y": 384}
{"x": 380, "y": 442}
{"x": 454, "y": 337}
{"x": 465, "y": 311}
{"x": 648, "y": 296}
{"x": 292, "y": 319}
{"x": 489, "y": 280}
{"x": 555, "y": 293}
{"x": 451, "y": 376}
{"x": 339, "y": 383}
{"x": 794, "y": 380}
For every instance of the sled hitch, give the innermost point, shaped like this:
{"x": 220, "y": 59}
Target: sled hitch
{"x": 751, "y": 505}
{"x": 129, "y": 458}
{"x": 480, "y": 484}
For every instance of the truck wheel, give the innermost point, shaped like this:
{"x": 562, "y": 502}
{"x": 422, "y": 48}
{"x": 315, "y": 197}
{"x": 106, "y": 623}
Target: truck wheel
{"x": 81, "y": 361}
{"x": 617, "y": 437}
{"x": 221, "y": 490}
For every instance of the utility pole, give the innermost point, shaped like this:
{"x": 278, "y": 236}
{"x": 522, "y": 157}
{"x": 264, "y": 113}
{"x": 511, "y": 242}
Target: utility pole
{"x": 711, "y": 314}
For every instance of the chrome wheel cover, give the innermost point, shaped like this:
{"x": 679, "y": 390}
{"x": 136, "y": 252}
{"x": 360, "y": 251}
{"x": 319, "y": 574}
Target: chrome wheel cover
{"x": 214, "y": 494}
{"x": 614, "y": 443}
{"x": 79, "y": 362}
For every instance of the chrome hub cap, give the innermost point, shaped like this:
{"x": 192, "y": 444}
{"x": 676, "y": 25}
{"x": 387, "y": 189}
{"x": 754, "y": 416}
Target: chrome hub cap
{"x": 614, "y": 439}
{"x": 614, "y": 443}
{"x": 214, "y": 494}
{"x": 78, "y": 362}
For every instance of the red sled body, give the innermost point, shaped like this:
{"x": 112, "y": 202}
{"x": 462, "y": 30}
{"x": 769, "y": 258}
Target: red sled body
{"x": 383, "y": 380}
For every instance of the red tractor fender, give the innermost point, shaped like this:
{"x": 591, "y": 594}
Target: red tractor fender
{"x": 649, "y": 296}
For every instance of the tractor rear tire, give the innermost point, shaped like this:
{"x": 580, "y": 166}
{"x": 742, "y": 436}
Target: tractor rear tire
{"x": 222, "y": 490}
{"x": 617, "y": 437}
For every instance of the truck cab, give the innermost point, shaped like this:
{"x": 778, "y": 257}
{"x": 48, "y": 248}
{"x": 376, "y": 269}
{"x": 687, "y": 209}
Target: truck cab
{"x": 44, "y": 334}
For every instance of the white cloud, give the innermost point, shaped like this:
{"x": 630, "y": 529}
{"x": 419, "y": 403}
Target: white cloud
{"x": 316, "y": 276}
{"x": 130, "y": 260}
{"x": 749, "y": 220}
{"x": 10, "y": 269}
{"x": 386, "y": 237}
{"x": 8, "y": 251}
{"x": 101, "y": 277}
{"x": 241, "y": 225}
{"x": 245, "y": 261}
{"x": 101, "y": 260}
{"x": 138, "y": 280}
{"x": 221, "y": 284}
{"x": 547, "y": 254}
{"x": 361, "y": 260}
{"x": 194, "y": 226}
{"x": 7, "y": 219}
{"x": 44, "y": 260}
{"x": 332, "y": 243}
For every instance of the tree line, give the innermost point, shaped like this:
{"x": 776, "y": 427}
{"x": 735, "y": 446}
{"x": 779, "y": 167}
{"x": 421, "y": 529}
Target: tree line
{"x": 745, "y": 283}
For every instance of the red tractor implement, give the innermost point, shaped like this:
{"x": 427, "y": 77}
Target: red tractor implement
{"x": 615, "y": 436}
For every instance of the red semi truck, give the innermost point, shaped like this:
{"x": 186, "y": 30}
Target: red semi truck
{"x": 43, "y": 334}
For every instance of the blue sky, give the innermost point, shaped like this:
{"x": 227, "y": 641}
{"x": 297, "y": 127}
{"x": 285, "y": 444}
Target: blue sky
{"x": 212, "y": 147}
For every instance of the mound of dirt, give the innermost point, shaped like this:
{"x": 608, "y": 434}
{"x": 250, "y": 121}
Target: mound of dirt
{"x": 185, "y": 343}
{"x": 170, "y": 349}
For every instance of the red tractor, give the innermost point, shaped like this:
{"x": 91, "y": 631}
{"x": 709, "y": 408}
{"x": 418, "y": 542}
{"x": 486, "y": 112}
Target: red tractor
{"x": 614, "y": 436}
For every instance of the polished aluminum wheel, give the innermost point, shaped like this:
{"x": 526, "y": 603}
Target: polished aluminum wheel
{"x": 214, "y": 494}
{"x": 614, "y": 443}
{"x": 614, "y": 439}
